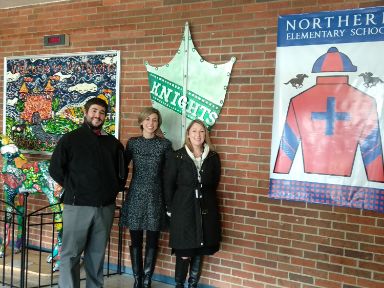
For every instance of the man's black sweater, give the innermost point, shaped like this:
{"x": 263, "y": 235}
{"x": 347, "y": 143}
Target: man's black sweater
{"x": 87, "y": 166}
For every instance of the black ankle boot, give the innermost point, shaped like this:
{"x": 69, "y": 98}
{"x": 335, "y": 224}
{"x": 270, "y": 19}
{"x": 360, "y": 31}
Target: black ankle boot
{"x": 195, "y": 271}
{"x": 149, "y": 266}
{"x": 181, "y": 271}
{"x": 137, "y": 265}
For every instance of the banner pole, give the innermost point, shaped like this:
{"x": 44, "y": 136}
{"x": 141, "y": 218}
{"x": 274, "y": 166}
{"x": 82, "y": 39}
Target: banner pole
{"x": 186, "y": 36}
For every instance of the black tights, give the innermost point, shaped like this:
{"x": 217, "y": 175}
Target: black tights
{"x": 151, "y": 238}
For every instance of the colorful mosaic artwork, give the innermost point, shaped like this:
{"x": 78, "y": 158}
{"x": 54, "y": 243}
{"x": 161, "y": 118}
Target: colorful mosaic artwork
{"x": 22, "y": 176}
{"x": 45, "y": 95}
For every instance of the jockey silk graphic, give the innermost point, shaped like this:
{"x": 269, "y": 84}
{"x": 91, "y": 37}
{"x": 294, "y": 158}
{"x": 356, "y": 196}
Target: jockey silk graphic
{"x": 327, "y": 142}
{"x": 331, "y": 119}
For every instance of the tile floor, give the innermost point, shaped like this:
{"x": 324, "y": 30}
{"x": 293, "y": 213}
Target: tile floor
{"x": 125, "y": 281}
{"x": 114, "y": 281}
{"x": 39, "y": 274}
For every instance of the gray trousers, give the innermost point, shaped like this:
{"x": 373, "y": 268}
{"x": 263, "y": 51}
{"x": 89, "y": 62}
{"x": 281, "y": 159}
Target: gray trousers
{"x": 85, "y": 229}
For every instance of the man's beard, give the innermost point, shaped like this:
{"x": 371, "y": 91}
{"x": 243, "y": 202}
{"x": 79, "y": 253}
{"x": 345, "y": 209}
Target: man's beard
{"x": 90, "y": 125}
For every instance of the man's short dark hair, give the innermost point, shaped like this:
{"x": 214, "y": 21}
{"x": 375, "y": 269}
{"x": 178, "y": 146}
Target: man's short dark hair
{"x": 97, "y": 101}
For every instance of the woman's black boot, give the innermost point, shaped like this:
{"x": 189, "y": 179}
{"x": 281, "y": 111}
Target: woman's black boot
{"x": 181, "y": 271}
{"x": 137, "y": 265}
{"x": 195, "y": 271}
{"x": 149, "y": 266}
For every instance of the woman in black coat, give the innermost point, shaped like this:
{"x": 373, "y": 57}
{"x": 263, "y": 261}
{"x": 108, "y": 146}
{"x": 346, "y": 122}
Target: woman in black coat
{"x": 192, "y": 175}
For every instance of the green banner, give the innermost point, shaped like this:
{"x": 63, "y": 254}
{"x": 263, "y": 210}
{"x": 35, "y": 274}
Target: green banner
{"x": 188, "y": 88}
{"x": 169, "y": 95}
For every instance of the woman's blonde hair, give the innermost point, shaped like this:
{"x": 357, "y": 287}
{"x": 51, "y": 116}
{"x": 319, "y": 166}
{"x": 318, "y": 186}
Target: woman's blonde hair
{"x": 145, "y": 113}
{"x": 207, "y": 140}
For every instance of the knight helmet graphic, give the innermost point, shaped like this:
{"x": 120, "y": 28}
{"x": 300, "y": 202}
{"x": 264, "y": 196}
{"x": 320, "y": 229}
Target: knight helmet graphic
{"x": 188, "y": 88}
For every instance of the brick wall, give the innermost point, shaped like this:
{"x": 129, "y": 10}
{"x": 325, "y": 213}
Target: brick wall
{"x": 267, "y": 243}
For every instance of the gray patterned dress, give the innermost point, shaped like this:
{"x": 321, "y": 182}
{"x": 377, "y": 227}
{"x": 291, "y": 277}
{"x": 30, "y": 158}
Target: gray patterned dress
{"x": 144, "y": 208}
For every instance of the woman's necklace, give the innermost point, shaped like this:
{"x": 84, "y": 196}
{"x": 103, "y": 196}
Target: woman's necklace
{"x": 198, "y": 163}
{"x": 198, "y": 155}
{"x": 197, "y": 152}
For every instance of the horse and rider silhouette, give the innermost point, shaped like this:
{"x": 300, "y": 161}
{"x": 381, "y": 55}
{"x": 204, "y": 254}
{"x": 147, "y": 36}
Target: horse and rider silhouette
{"x": 297, "y": 82}
{"x": 370, "y": 80}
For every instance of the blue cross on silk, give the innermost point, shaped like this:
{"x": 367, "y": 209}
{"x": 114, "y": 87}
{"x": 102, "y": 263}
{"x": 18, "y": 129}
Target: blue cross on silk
{"x": 330, "y": 116}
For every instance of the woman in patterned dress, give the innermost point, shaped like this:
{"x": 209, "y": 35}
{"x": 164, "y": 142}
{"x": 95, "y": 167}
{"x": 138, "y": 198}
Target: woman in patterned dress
{"x": 144, "y": 209}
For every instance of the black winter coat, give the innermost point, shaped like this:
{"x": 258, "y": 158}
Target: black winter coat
{"x": 195, "y": 222}
{"x": 89, "y": 167}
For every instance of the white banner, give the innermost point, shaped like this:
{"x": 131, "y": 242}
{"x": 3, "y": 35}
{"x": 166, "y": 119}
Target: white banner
{"x": 328, "y": 111}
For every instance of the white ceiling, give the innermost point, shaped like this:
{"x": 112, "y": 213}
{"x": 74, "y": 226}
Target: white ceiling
{"x": 6, "y": 4}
